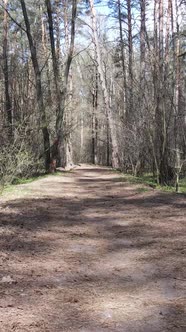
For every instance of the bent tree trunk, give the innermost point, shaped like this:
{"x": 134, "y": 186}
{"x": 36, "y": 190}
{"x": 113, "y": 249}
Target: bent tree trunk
{"x": 115, "y": 151}
{"x": 39, "y": 91}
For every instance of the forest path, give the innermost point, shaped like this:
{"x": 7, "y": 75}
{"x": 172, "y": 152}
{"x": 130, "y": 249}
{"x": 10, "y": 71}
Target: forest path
{"x": 86, "y": 252}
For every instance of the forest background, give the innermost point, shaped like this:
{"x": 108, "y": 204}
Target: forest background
{"x": 100, "y": 82}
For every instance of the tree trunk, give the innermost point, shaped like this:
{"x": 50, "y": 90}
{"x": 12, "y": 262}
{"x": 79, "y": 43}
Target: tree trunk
{"x": 130, "y": 48}
{"x": 57, "y": 82}
{"x": 68, "y": 112}
{"x": 178, "y": 116}
{"x": 8, "y": 103}
{"x": 142, "y": 89}
{"x": 61, "y": 93}
{"x": 166, "y": 173}
{"x": 46, "y": 55}
{"x": 58, "y": 35}
{"x": 142, "y": 47}
{"x": 115, "y": 151}
{"x": 69, "y": 151}
{"x": 108, "y": 143}
{"x": 94, "y": 117}
{"x": 39, "y": 91}
{"x": 125, "y": 94}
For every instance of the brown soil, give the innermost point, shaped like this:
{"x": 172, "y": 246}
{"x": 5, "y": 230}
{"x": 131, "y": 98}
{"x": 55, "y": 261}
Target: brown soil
{"x": 87, "y": 252}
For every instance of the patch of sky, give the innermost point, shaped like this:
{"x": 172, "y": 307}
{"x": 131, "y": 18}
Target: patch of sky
{"x": 107, "y": 24}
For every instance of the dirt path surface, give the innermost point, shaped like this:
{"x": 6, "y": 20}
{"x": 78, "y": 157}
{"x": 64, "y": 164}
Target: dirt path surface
{"x": 87, "y": 252}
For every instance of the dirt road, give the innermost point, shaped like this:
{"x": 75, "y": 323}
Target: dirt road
{"x": 87, "y": 252}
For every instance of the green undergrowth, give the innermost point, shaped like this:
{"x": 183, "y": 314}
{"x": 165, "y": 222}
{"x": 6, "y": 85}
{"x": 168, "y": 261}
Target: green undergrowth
{"x": 20, "y": 180}
{"x": 14, "y": 186}
{"x": 150, "y": 181}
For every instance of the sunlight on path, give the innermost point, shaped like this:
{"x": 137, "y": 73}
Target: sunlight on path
{"x": 89, "y": 253}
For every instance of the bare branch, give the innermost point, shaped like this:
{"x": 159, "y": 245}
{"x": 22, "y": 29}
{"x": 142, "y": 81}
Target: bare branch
{"x": 13, "y": 20}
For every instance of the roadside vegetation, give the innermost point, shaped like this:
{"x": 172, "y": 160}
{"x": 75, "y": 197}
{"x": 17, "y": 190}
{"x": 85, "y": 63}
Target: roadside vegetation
{"x": 150, "y": 181}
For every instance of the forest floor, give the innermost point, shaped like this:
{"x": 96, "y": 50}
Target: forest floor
{"x": 86, "y": 252}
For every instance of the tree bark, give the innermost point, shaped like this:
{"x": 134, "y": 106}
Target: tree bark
{"x": 39, "y": 91}
{"x": 165, "y": 174}
{"x": 142, "y": 46}
{"x": 46, "y": 55}
{"x": 8, "y": 103}
{"x": 115, "y": 150}
{"x": 125, "y": 94}
{"x": 130, "y": 48}
{"x": 94, "y": 116}
{"x": 61, "y": 93}
{"x": 68, "y": 113}
{"x": 178, "y": 118}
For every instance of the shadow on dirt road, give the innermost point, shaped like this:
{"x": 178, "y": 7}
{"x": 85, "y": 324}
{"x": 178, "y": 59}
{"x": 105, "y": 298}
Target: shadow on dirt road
{"x": 84, "y": 252}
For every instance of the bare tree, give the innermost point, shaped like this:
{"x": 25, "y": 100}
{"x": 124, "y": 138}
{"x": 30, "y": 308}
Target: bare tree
{"x": 61, "y": 92}
{"x": 115, "y": 151}
{"x": 8, "y": 104}
{"x": 39, "y": 91}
